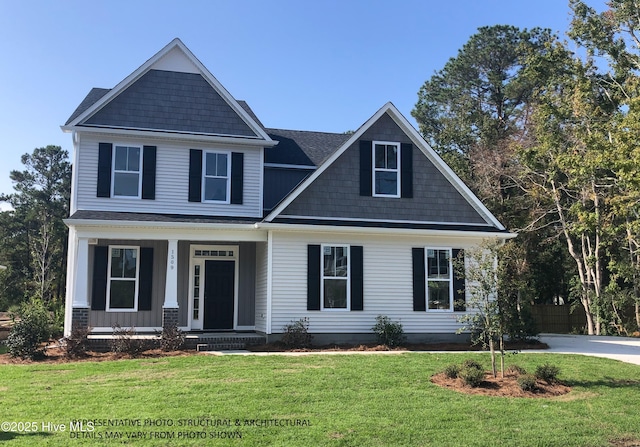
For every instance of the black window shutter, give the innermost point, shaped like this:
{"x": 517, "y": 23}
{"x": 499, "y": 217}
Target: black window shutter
{"x": 406, "y": 170}
{"x": 357, "y": 278}
{"x": 237, "y": 177}
{"x": 419, "y": 285}
{"x": 99, "y": 286}
{"x": 145, "y": 286}
{"x": 104, "y": 169}
{"x": 313, "y": 277}
{"x": 195, "y": 175}
{"x": 366, "y": 167}
{"x": 149, "y": 172}
{"x": 459, "y": 298}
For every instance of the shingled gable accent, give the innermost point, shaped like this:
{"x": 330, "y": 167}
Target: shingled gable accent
{"x": 174, "y": 56}
{"x": 418, "y": 143}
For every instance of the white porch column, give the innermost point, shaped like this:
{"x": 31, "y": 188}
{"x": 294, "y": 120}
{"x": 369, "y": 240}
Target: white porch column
{"x": 81, "y": 277}
{"x": 171, "y": 285}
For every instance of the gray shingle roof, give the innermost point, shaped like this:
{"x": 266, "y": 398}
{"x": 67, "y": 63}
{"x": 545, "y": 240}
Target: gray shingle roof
{"x": 169, "y": 100}
{"x": 302, "y": 147}
{"x": 94, "y": 95}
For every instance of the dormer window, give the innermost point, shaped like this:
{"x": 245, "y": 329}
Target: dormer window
{"x": 386, "y": 169}
{"x": 127, "y": 164}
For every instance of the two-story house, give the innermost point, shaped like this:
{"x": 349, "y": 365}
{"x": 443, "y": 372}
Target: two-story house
{"x": 186, "y": 210}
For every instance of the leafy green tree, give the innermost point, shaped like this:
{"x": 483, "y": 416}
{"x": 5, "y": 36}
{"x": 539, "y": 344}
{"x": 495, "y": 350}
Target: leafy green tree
{"x": 472, "y": 109}
{"x": 35, "y": 247}
{"x": 569, "y": 165}
{"x": 475, "y": 113}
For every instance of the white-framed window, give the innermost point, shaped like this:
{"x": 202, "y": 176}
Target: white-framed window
{"x": 334, "y": 284}
{"x": 122, "y": 278}
{"x": 216, "y": 175}
{"x": 386, "y": 169}
{"x": 439, "y": 279}
{"x": 127, "y": 171}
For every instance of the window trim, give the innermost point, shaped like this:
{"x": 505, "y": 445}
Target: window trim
{"x": 449, "y": 280}
{"x": 227, "y": 177}
{"x": 397, "y": 170}
{"x": 109, "y": 279}
{"x": 347, "y": 279}
{"x": 114, "y": 170}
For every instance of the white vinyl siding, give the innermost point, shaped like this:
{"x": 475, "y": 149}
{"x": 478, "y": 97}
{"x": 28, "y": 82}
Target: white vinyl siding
{"x": 172, "y": 181}
{"x": 261, "y": 286}
{"x": 388, "y": 285}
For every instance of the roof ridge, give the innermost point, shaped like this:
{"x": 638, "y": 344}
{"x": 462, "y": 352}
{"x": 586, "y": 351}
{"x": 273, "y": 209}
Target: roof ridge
{"x": 307, "y": 131}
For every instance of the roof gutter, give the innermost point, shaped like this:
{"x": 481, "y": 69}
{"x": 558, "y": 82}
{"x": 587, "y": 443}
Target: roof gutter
{"x": 384, "y": 231}
{"x": 174, "y": 135}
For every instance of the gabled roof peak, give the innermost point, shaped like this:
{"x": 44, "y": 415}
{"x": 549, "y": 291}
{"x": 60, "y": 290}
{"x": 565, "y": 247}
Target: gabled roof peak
{"x": 173, "y": 57}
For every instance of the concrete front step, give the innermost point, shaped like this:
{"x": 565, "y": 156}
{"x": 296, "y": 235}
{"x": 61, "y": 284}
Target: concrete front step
{"x": 223, "y": 342}
{"x": 201, "y": 347}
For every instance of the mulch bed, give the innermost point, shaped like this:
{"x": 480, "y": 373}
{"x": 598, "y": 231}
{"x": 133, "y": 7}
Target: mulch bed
{"x": 510, "y": 346}
{"x": 498, "y": 386}
{"x": 56, "y": 355}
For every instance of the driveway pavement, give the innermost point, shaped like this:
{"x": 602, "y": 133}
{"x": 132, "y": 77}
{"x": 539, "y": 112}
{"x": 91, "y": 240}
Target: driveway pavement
{"x": 617, "y": 348}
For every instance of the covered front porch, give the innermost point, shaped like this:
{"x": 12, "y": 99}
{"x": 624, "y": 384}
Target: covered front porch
{"x": 204, "y": 282}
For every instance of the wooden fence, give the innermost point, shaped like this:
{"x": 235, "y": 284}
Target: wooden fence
{"x": 554, "y": 319}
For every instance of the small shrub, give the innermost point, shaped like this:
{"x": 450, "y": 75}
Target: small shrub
{"x": 471, "y": 376}
{"x": 171, "y": 338}
{"x": 548, "y": 373}
{"x": 452, "y": 371}
{"x": 516, "y": 370}
{"x": 469, "y": 363}
{"x": 30, "y": 331}
{"x": 75, "y": 345}
{"x": 527, "y": 382}
{"x": 124, "y": 343}
{"x": 387, "y": 332}
{"x": 296, "y": 334}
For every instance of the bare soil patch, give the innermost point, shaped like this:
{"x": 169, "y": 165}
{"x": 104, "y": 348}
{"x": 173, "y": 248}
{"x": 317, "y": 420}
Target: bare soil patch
{"x": 504, "y": 387}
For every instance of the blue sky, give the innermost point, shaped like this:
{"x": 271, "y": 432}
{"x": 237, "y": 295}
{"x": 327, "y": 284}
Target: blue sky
{"x": 327, "y": 65}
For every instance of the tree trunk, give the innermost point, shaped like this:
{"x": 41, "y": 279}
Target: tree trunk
{"x": 502, "y": 355}
{"x": 581, "y": 262}
{"x": 492, "y": 349}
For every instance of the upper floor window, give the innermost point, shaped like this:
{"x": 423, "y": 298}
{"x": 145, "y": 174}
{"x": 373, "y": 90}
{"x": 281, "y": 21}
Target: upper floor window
{"x": 126, "y": 171}
{"x": 215, "y": 177}
{"x": 127, "y": 178}
{"x": 386, "y": 169}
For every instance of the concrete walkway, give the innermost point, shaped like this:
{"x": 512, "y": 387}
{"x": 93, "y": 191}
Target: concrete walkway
{"x": 617, "y": 348}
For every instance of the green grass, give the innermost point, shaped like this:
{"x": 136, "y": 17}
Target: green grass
{"x": 349, "y": 400}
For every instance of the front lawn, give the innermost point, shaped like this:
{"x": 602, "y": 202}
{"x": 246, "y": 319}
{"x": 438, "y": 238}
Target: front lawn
{"x": 316, "y": 400}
